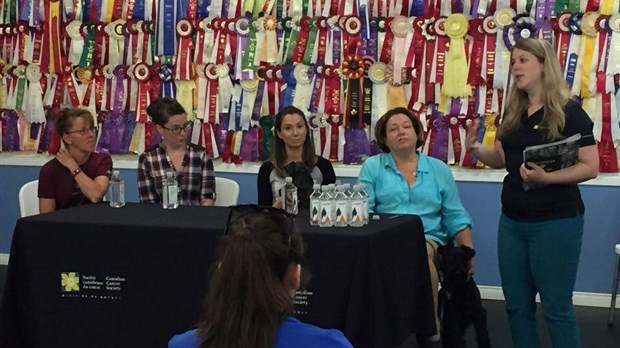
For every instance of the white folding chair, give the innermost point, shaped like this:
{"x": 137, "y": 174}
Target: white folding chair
{"x": 226, "y": 191}
{"x": 614, "y": 291}
{"x": 28, "y": 200}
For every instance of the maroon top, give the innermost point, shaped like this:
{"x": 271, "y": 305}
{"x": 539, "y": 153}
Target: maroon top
{"x": 56, "y": 181}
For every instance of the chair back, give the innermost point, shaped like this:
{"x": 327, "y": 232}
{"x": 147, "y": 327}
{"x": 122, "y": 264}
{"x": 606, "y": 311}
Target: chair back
{"x": 227, "y": 192}
{"x": 28, "y": 200}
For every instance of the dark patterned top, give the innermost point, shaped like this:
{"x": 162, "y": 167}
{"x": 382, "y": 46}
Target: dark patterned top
{"x": 196, "y": 178}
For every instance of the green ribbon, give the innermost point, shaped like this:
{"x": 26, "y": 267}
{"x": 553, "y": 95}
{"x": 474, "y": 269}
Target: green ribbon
{"x": 573, "y": 6}
{"x": 86, "y": 60}
{"x": 247, "y": 61}
{"x": 266, "y": 123}
{"x": 290, "y": 45}
{"x": 561, "y": 6}
{"x": 21, "y": 90}
{"x": 311, "y": 42}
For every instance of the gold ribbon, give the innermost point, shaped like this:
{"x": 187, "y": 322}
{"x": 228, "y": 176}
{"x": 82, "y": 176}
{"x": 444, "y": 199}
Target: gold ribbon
{"x": 396, "y": 96}
{"x": 137, "y": 139}
{"x": 489, "y": 134}
{"x": 455, "y": 73}
{"x": 185, "y": 96}
{"x": 589, "y": 34}
{"x": 606, "y": 7}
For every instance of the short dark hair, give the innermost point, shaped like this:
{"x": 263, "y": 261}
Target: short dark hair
{"x": 380, "y": 127}
{"x": 160, "y": 110}
{"x": 63, "y": 120}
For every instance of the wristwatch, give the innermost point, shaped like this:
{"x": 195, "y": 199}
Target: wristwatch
{"x": 76, "y": 171}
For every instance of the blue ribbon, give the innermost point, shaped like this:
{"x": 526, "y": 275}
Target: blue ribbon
{"x": 238, "y": 107}
{"x": 291, "y": 83}
{"x": 25, "y": 15}
{"x": 417, "y": 8}
{"x": 570, "y": 68}
{"x": 138, "y": 10}
{"x": 181, "y": 9}
{"x": 203, "y": 8}
{"x": 169, "y": 29}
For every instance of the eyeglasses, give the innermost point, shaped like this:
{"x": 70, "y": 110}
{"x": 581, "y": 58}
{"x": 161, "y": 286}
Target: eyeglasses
{"x": 84, "y": 131}
{"x": 240, "y": 210}
{"x": 177, "y": 130}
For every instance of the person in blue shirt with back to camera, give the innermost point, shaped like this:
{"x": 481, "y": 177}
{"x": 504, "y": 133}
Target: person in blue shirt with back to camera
{"x": 252, "y": 282}
{"x": 402, "y": 180}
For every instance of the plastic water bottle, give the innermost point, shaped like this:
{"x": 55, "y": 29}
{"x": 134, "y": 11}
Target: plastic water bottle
{"x": 289, "y": 201}
{"x": 357, "y": 208}
{"x": 117, "y": 190}
{"x": 327, "y": 218}
{"x": 341, "y": 202}
{"x": 364, "y": 195}
{"x": 315, "y": 205}
{"x": 170, "y": 191}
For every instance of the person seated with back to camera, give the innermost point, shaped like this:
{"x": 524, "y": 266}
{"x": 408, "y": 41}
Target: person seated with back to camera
{"x": 77, "y": 175}
{"x": 251, "y": 287}
{"x": 402, "y": 180}
{"x": 292, "y": 155}
{"x": 190, "y": 162}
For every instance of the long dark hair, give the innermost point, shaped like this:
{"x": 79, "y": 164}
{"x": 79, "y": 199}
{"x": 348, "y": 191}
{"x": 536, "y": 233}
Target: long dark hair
{"x": 279, "y": 156}
{"x": 248, "y": 298}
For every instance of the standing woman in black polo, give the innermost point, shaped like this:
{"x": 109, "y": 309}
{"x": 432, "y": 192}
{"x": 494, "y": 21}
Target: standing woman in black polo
{"x": 540, "y": 230}
{"x": 191, "y": 164}
{"x": 292, "y": 155}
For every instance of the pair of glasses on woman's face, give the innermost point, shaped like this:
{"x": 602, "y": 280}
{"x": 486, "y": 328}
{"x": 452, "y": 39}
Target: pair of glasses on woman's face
{"x": 240, "y": 210}
{"x": 177, "y": 130}
{"x": 84, "y": 131}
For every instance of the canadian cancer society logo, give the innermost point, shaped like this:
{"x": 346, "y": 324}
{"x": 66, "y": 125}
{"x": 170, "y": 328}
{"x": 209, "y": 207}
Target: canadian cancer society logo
{"x": 70, "y": 281}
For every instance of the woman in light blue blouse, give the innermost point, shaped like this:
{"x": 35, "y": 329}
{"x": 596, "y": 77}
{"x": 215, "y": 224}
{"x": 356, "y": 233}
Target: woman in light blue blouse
{"x": 404, "y": 181}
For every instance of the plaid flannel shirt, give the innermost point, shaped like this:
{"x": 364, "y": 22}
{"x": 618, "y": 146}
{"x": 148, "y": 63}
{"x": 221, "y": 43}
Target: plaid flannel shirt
{"x": 196, "y": 179}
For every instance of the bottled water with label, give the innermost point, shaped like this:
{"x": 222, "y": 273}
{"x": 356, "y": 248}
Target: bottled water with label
{"x": 170, "y": 191}
{"x": 364, "y": 195}
{"x": 357, "y": 208}
{"x": 341, "y": 202}
{"x": 327, "y": 218}
{"x": 289, "y": 201}
{"x": 117, "y": 190}
{"x": 315, "y": 205}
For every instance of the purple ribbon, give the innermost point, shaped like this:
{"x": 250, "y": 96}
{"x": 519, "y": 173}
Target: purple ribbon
{"x": 336, "y": 48}
{"x": 371, "y": 44}
{"x": 128, "y": 127}
{"x": 248, "y": 144}
{"x": 10, "y": 140}
{"x": 220, "y": 134}
{"x": 356, "y": 146}
{"x": 455, "y": 108}
{"x": 44, "y": 142}
{"x": 103, "y": 145}
{"x": 440, "y": 145}
{"x": 259, "y": 100}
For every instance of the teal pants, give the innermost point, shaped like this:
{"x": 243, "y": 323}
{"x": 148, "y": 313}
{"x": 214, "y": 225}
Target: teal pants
{"x": 540, "y": 257}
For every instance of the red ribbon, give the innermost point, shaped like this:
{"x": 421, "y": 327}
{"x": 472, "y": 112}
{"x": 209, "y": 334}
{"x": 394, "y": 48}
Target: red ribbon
{"x": 607, "y": 153}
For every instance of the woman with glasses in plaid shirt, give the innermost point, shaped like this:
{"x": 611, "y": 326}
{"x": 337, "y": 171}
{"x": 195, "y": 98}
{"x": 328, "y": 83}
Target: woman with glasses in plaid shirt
{"x": 77, "y": 175}
{"x": 251, "y": 287}
{"x": 191, "y": 164}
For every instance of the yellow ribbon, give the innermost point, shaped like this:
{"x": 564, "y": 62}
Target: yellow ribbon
{"x": 137, "y": 139}
{"x": 109, "y": 9}
{"x": 489, "y": 134}
{"x": 248, "y": 6}
{"x": 606, "y": 7}
{"x": 396, "y": 96}
{"x": 185, "y": 96}
{"x": 586, "y": 68}
{"x": 54, "y": 12}
{"x": 455, "y": 73}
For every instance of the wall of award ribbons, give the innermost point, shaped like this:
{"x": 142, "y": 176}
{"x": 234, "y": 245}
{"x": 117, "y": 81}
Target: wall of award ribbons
{"x": 233, "y": 64}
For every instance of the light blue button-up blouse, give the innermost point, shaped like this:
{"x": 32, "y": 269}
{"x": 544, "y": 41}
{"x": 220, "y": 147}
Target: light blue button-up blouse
{"x": 433, "y": 196}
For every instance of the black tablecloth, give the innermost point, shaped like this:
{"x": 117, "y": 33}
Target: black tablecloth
{"x": 143, "y": 272}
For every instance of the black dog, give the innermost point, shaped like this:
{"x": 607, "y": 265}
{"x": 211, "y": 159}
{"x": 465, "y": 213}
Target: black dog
{"x": 459, "y": 299}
